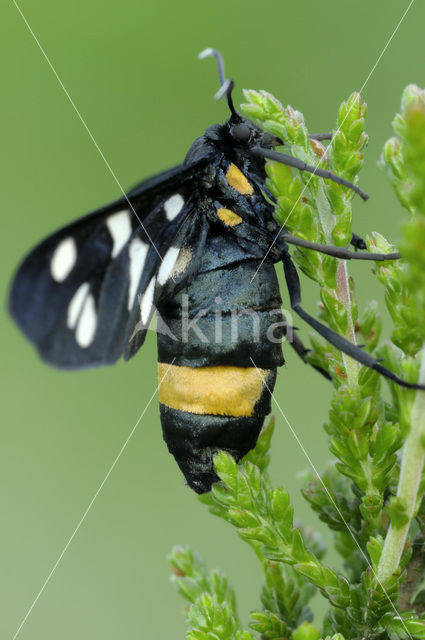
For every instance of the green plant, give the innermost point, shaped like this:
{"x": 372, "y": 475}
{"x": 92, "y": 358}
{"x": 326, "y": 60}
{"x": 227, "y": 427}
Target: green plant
{"x": 371, "y": 499}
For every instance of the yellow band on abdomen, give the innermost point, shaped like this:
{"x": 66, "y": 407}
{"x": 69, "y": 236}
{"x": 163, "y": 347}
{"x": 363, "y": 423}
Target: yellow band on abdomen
{"x": 225, "y": 391}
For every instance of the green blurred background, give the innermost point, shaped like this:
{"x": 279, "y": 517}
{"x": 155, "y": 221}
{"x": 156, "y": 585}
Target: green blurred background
{"x": 131, "y": 69}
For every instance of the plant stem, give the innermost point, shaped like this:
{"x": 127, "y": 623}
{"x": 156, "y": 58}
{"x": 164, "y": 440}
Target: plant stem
{"x": 412, "y": 463}
{"x": 343, "y": 293}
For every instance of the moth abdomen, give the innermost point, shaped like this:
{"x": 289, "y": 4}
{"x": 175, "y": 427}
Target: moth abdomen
{"x": 194, "y": 439}
{"x": 217, "y": 364}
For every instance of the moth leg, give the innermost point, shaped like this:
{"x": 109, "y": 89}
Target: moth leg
{"x": 347, "y": 347}
{"x": 300, "y": 349}
{"x": 358, "y": 242}
{"x": 321, "y": 136}
{"x": 338, "y": 252}
{"x": 284, "y": 158}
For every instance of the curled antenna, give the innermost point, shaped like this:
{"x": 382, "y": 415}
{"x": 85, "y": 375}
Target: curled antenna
{"x": 226, "y": 84}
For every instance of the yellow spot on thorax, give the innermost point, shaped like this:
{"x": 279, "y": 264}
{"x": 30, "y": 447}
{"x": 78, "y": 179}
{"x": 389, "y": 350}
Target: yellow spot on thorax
{"x": 237, "y": 180}
{"x": 229, "y": 217}
{"x": 225, "y": 391}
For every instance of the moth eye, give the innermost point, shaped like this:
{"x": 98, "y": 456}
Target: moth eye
{"x": 241, "y": 133}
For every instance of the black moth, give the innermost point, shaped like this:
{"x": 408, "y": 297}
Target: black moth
{"x": 187, "y": 243}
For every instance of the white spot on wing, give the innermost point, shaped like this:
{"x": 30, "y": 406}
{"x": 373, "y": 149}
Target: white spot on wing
{"x": 137, "y": 252}
{"x": 146, "y": 302}
{"x": 63, "y": 259}
{"x": 86, "y": 327}
{"x": 173, "y": 206}
{"x": 168, "y": 264}
{"x": 119, "y": 226}
{"x": 185, "y": 256}
{"x": 76, "y": 305}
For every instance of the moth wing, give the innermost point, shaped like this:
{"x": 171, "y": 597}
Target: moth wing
{"x": 77, "y": 296}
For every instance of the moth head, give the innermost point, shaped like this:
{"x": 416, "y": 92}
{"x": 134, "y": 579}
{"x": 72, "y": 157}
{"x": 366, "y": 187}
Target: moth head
{"x": 245, "y": 133}
{"x": 241, "y": 132}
